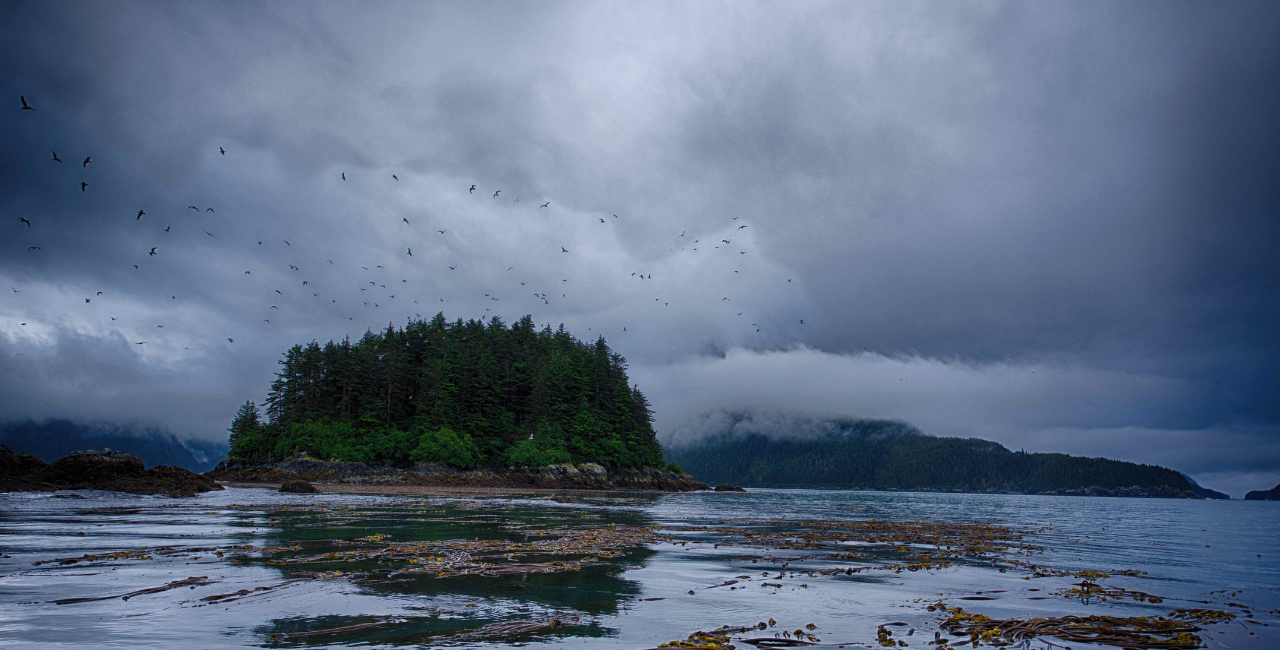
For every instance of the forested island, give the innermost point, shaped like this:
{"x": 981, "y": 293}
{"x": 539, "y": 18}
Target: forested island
{"x": 884, "y": 455}
{"x": 468, "y": 395}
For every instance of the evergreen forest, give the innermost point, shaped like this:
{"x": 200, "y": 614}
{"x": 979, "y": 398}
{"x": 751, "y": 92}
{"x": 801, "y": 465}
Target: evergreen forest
{"x": 469, "y": 394}
{"x": 875, "y": 454}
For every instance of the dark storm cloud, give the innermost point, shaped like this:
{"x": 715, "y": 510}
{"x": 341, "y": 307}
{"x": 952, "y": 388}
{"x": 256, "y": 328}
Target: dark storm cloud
{"x": 967, "y": 192}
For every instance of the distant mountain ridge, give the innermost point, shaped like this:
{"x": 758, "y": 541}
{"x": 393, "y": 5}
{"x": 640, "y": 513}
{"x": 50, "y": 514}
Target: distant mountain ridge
{"x": 887, "y": 455}
{"x": 50, "y": 440}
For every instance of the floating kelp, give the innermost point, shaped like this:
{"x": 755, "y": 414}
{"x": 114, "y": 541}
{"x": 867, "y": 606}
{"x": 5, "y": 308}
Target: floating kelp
{"x": 1088, "y": 591}
{"x": 717, "y": 639}
{"x": 1136, "y": 632}
{"x": 505, "y": 629}
{"x": 192, "y": 582}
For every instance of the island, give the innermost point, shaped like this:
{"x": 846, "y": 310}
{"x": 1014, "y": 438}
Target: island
{"x": 888, "y": 455}
{"x": 435, "y": 402}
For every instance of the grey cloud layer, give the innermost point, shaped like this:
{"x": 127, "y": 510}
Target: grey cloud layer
{"x": 968, "y": 191}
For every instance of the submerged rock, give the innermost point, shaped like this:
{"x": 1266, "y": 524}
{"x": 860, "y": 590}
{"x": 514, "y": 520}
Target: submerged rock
{"x": 587, "y": 476}
{"x": 298, "y": 486}
{"x": 97, "y": 470}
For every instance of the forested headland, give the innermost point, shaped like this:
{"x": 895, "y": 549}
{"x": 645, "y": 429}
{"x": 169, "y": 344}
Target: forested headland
{"x": 469, "y": 394}
{"x": 877, "y": 454}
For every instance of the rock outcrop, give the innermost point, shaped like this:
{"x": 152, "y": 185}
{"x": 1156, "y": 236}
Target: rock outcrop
{"x": 1264, "y": 495}
{"x": 97, "y": 470}
{"x": 298, "y": 486}
{"x": 587, "y": 476}
{"x": 725, "y": 487}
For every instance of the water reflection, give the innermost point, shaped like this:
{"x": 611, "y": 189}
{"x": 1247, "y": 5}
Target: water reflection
{"x": 607, "y": 570}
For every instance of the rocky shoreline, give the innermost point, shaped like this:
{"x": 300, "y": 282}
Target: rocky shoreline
{"x": 587, "y": 476}
{"x": 97, "y": 470}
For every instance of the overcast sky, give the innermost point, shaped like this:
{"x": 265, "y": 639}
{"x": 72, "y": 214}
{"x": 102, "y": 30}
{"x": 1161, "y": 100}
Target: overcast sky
{"x": 1055, "y": 225}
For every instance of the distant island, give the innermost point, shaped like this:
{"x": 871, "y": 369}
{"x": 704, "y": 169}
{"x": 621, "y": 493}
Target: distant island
{"x": 52, "y": 439}
{"x": 1264, "y": 495}
{"x": 455, "y": 397}
{"x": 885, "y": 455}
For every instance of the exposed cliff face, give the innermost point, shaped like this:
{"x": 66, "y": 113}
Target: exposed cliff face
{"x": 97, "y": 470}
{"x": 588, "y": 476}
{"x": 1264, "y": 495}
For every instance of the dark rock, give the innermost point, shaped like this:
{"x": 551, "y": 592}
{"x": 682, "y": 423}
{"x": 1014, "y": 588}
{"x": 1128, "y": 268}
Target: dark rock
{"x": 298, "y": 486}
{"x": 725, "y": 487}
{"x": 97, "y": 470}
{"x": 588, "y": 476}
{"x": 1264, "y": 495}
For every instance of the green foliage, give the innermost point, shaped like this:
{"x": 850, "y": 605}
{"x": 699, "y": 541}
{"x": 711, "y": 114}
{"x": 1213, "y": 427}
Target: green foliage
{"x": 445, "y": 446}
{"x": 872, "y": 455}
{"x": 248, "y": 439}
{"x": 379, "y": 399}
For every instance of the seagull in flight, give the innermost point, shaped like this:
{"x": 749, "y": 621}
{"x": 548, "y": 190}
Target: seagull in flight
{"x": 192, "y": 207}
{"x": 222, "y": 151}
{"x": 344, "y": 176}
{"x": 286, "y": 243}
{"x": 510, "y": 267}
{"x": 83, "y": 185}
{"x": 230, "y": 340}
{"x": 406, "y": 221}
{"x": 34, "y": 248}
{"x": 274, "y": 307}
{"x": 87, "y": 160}
{"x": 25, "y": 105}
{"x": 15, "y": 290}
{"x": 166, "y": 228}
{"x": 440, "y": 231}
{"x": 563, "y": 250}
{"x": 395, "y": 177}
{"x": 55, "y": 156}
{"x": 152, "y": 253}
{"x": 545, "y": 204}
{"x": 140, "y": 213}
{"x": 802, "y": 321}
{"x": 209, "y": 210}
{"x": 602, "y": 221}
{"x": 208, "y": 233}
{"x": 451, "y": 268}
{"x": 495, "y": 194}
{"x": 741, "y": 227}
{"x": 410, "y": 251}
{"x": 24, "y": 220}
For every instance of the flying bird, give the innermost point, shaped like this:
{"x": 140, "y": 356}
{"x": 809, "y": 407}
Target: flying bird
{"x": 99, "y": 293}
{"x": 329, "y": 261}
{"x": 140, "y": 213}
{"x": 440, "y": 231}
{"x": 741, "y": 227}
{"x": 802, "y": 321}
{"x": 286, "y": 243}
{"x": 473, "y": 189}
{"x": 222, "y": 151}
{"x": 83, "y": 185}
{"x": 208, "y": 233}
{"x": 278, "y": 291}
{"x": 55, "y": 156}
{"x": 25, "y": 105}
{"x": 87, "y": 160}
{"x": 15, "y": 290}
{"x": 344, "y": 176}
{"x": 166, "y": 228}
{"x": 230, "y": 340}
{"x": 510, "y": 267}
{"x": 410, "y": 251}
{"x": 209, "y": 210}
{"x": 24, "y": 220}
{"x": 563, "y": 250}
{"x": 152, "y": 253}
{"x": 193, "y": 208}
{"x": 545, "y": 204}
{"x": 450, "y": 268}
{"x": 34, "y": 248}
{"x": 246, "y": 273}
{"x": 136, "y": 266}
{"x": 86, "y": 300}
{"x": 395, "y": 177}
{"x": 602, "y": 221}
{"x": 274, "y": 307}
{"x": 406, "y": 221}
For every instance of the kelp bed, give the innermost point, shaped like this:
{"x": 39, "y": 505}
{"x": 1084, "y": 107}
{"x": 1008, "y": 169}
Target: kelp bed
{"x": 516, "y": 546}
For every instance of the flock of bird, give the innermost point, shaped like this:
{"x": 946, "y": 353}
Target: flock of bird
{"x": 373, "y": 295}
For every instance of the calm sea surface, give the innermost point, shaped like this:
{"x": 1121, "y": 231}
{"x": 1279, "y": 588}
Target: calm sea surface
{"x": 259, "y": 568}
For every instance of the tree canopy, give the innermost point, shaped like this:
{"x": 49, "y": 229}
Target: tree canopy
{"x": 465, "y": 393}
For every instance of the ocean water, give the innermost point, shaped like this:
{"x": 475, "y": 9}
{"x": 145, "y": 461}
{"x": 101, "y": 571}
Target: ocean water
{"x": 259, "y": 568}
